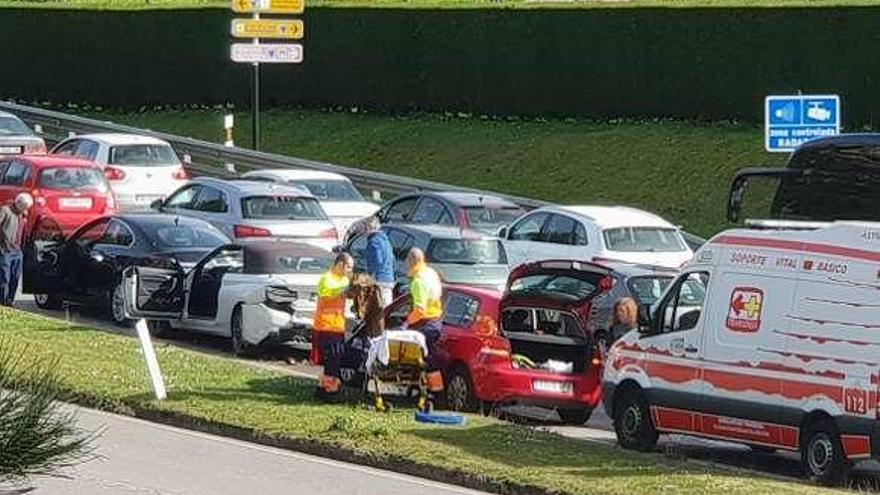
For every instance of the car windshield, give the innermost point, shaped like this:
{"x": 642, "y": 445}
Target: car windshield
{"x": 282, "y": 207}
{"x": 143, "y": 154}
{"x": 11, "y": 126}
{"x": 76, "y": 179}
{"x": 466, "y": 251}
{"x": 331, "y": 190}
{"x": 553, "y": 284}
{"x": 643, "y": 239}
{"x": 489, "y": 220}
{"x": 647, "y": 289}
{"x": 186, "y": 236}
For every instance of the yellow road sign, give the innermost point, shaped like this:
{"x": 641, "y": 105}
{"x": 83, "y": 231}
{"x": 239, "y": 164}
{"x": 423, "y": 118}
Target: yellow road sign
{"x": 268, "y": 28}
{"x": 268, "y": 6}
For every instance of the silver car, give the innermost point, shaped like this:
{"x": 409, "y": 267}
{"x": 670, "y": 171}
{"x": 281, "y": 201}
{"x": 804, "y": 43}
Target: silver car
{"x": 244, "y": 210}
{"x": 17, "y": 138}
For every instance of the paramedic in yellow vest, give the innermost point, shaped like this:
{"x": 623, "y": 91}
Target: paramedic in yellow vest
{"x": 328, "y": 336}
{"x": 427, "y": 310}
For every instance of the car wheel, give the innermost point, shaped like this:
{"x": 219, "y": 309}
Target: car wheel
{"x": 822, "y": 453}
{"x": 632, "y": 422}
{"x": 117, "y": 306}
{"x": 48, "y": 301}
{"x": 239, "y": 346}
{"x": 575, "y": 416}
{"x": 459, "y": 393}
{"x": 159, "y": 328}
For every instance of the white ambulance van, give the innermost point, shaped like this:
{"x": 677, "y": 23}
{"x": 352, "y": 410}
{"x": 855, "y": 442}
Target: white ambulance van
{"x": 769, "y": 338}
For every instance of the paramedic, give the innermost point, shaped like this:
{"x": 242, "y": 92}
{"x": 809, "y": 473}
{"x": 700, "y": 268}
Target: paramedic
{"x": 625, "y": 318}
{"x": 12, "y": 221}
{"x": 380, "y": 259}
{"x": 427, "y": 310}
{"x": 329, "y": 329}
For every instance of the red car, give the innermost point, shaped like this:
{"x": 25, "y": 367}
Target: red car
{"x": 540, "y": 354}
{"x": 67, "y": 192}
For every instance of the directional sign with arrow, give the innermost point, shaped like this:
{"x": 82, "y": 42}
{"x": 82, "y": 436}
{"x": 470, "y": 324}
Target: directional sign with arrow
{"x": 292, "y": 29}
{"x": 268, "y": 6}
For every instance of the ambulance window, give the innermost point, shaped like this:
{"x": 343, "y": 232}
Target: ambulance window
{"x": 682, "y": 309}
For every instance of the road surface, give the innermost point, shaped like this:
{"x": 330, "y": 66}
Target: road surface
{"x": 138, "y": 457}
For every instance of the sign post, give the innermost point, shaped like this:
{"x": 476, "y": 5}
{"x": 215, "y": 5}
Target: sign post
{"x": 150, "y": 356}
{"x": 790, "y": 121}
{"x": 256, "y": 53}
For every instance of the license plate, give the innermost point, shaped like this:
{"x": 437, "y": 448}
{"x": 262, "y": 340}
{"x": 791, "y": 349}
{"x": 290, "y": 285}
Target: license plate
{"x": 145, "y": 200}
{"x": 7, "y": 150}
{"x": 565, "y": 388}
{"x": 75, "y": 203}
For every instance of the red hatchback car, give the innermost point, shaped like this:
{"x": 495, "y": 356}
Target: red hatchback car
{"x": 67, "y": 192}
{"x": 527, "y": 346}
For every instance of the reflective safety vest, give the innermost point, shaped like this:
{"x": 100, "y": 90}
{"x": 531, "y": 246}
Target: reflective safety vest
{"x": 330, "y": 314}
{"x": 426, "y": 293}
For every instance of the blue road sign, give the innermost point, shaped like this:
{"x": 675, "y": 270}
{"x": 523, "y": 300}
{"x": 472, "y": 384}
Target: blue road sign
{"x": 790, "y": 121}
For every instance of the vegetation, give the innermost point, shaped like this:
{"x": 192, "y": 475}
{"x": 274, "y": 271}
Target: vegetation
{"x": 681, "y": 170}
{"x": 37, "y": 436}
{"x": 107, "y": 371}
{"x": 438, "y": 4}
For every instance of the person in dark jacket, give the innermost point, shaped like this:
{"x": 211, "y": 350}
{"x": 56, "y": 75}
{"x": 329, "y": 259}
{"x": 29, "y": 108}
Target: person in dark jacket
{"x": 380, "y": 259}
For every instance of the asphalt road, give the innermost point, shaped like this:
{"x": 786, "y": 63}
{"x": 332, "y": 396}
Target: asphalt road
{"x": 598, "y": 429}
{"x": 138, "y": 457}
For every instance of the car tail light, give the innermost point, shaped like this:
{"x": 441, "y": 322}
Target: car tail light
{"x": 248, "y": 231}
{"x": 596, "y": 359}
{"x": 329, "y": 234}
{"x": 113, "y": 173}
{"x": 35, "y": 148}
{"x": 180, "y": 174}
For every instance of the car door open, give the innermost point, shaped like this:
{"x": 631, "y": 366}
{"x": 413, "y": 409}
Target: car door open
{"x": 153, "y": 293}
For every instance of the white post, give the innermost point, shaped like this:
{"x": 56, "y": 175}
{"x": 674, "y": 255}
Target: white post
{"x": 150, "y": 356}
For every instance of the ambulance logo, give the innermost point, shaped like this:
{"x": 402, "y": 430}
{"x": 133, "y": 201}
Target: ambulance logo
{"x": 744, "y": 314}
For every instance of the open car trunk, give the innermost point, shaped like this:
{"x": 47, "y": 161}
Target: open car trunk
{"x": 544, "y": 339}
{"x": 543, "y": 314}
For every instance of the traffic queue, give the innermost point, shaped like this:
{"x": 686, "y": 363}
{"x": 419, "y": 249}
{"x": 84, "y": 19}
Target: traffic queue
{"x": 763, "y": 337}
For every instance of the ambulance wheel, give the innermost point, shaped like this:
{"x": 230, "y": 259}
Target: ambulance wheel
{"x": 239, "y": 346}
{"x": 48, "y": 301}
{"x": 822, "y": 453}
{"x": 575, "y": 416}
{"x": 459, "y": 393}
{"x": 632, "y": 422}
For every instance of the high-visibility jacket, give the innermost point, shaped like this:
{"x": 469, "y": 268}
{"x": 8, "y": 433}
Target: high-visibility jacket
{"x": 330, "y": 314}
{"x": 426, "y": 293}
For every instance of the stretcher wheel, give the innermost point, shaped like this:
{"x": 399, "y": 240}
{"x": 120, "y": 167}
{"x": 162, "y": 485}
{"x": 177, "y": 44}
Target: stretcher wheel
{"x": 422, "y": 404}
{"x": 380, "y": 404}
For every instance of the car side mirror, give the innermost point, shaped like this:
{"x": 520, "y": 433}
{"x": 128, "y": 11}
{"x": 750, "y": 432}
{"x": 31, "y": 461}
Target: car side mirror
{"x": 644, "y": 316}
{"x": 502, "y": 232}
{"x": 157, "y": 204}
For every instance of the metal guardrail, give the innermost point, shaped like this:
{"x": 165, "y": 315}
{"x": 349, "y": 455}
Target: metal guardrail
{"x": 206, "y": 158}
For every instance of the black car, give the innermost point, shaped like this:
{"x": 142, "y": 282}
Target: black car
{"x": 827, "y": 179}
{"x": 644, "y": 283}
{"x": 87, "y": 267}
{"x": 478, "y": 212}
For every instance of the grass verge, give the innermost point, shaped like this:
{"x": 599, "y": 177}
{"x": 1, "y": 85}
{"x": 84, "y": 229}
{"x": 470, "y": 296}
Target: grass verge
{"x": 681, "y": 170}
{"x": 212, "y": 394}
{"x": 440, "y": 4}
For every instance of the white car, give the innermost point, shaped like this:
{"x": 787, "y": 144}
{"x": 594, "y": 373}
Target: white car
{"x": 258, "y": 293}
{"x": 595, "y": 233}
{"x": 140, "y": 169}
{"x": 341, "y": 201}
{"x": 17, "y": 138}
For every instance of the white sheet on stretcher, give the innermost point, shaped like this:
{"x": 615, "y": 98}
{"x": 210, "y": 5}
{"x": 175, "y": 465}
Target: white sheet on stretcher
{"x": 379, "y": 345}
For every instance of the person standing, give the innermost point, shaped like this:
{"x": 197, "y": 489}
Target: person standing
{"x": 380, "y": 260}
{"x": 328, "y": 335}
{"x": 12, "y": 220}
{"x": 625, "y": 318}
{"x": 427, "y": 310}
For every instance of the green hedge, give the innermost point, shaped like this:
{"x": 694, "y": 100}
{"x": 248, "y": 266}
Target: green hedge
{"x": 714, "y": 63}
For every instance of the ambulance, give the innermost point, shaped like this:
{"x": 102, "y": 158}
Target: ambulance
{"x": 769, "y": 338}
